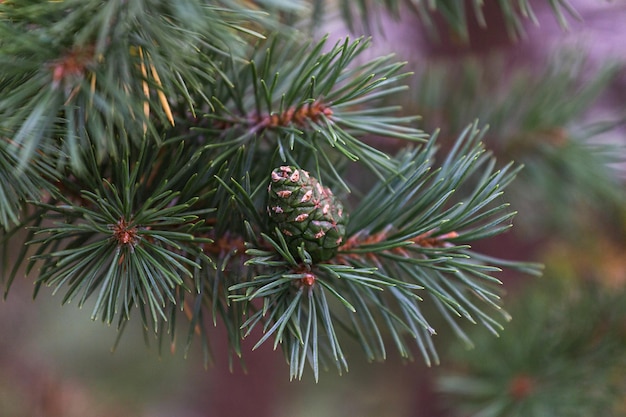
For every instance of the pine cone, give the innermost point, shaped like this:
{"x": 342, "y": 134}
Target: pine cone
{"x": 305, "y": 212}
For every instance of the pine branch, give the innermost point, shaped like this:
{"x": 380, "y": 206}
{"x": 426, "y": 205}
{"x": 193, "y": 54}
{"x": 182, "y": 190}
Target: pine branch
{"x": 456, "y": 15}
{"x": 18, "y": 185}
{"x": 313, "y": 105}
{"x": 198, "y": 175}
{"x": 528, "y": 101}
{"x": 540, "y": 120}
{"x": 83, "y": 70}
{"x": 127, "y": 240}
{"x": 407, "y": 248}
{"x": 563, "y": 358}
{"x": 147, "y": 237}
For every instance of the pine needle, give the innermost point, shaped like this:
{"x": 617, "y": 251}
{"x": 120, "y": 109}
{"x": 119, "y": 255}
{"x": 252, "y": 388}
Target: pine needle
{"x": 162, "y": 97}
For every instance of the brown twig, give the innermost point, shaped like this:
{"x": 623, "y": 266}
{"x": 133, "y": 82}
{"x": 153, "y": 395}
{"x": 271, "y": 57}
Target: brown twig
{"x": 424, "y": 240}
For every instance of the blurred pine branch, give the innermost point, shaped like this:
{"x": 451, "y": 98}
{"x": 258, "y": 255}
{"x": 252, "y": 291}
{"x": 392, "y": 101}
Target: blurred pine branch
{"x": 541, "y": 119}
{"x": 563, "y": 357}
{"x": 446, "y": 16}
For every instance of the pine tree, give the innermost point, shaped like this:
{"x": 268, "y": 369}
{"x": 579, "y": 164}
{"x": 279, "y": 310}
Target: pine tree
{"x": 191, "y": 162}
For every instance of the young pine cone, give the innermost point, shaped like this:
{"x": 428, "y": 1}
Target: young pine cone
{"x": 305, "y": 212}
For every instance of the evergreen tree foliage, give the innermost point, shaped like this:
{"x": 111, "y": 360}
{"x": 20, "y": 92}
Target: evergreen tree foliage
{"x": 547, "y": 364}
{"x": 538, "y": 119}
{"x": 194, "y": 161}
{"x": 456, "y": 14}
